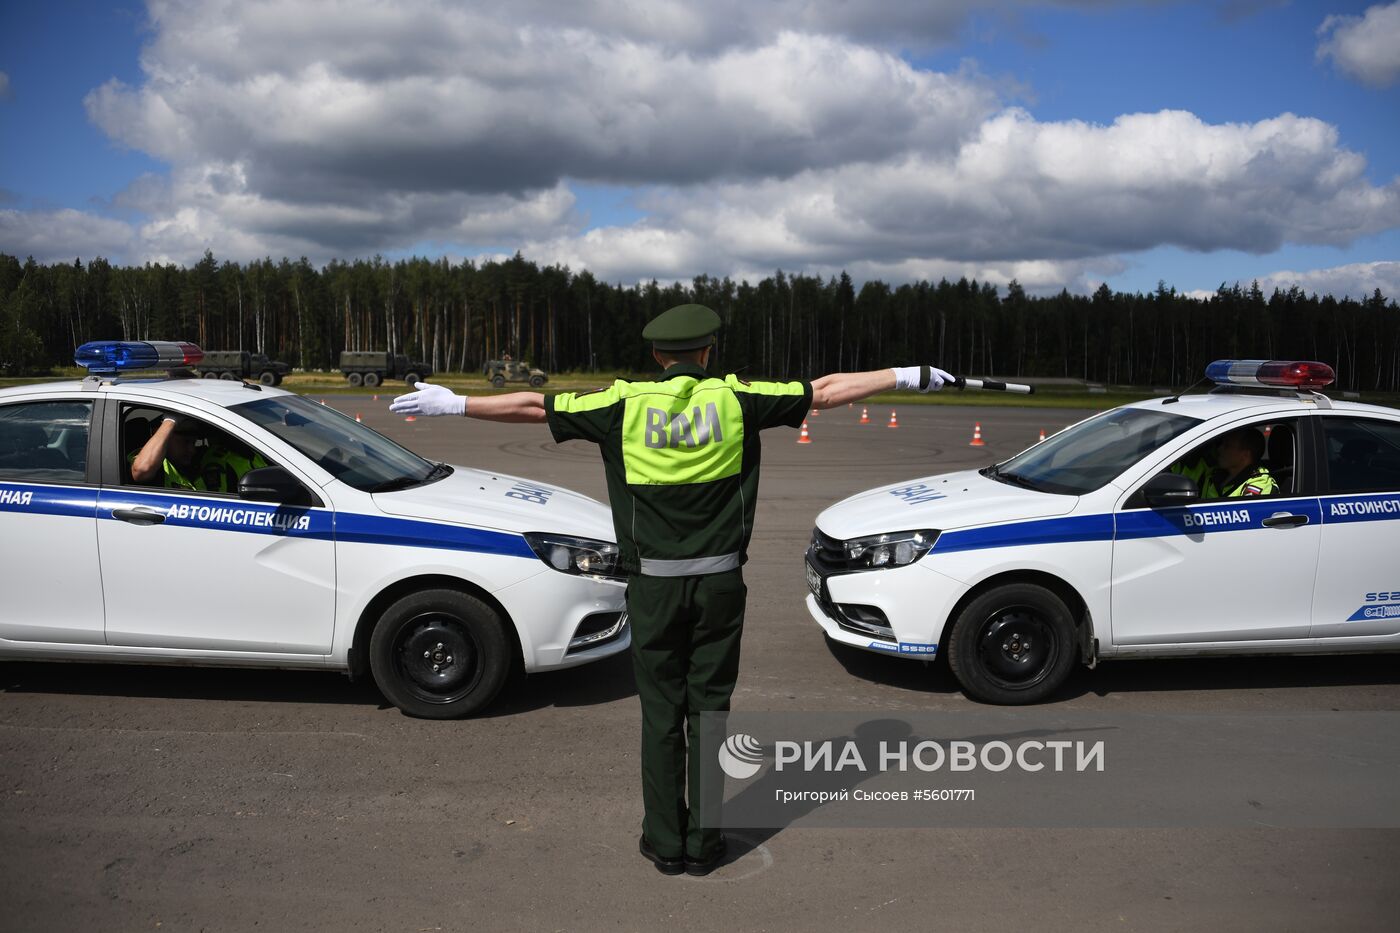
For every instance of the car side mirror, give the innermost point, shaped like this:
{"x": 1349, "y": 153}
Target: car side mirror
{"x": 1168, "y": 489}
{"x": 272, "y": 484}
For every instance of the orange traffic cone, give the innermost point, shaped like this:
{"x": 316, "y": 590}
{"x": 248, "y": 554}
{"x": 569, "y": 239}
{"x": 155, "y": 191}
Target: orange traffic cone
{"x": 804, "y": 437}
{"x": 894, "y": 419}
{"x": 357, "y": 417}
{"x": 815, "y": 413}
{"x": 376, "y": 398}
{"x": 1042, "y": 435}
{"x": 323, "y": 401}
{"x": 977, "y": 436}
{"x": 865, "y": 416}
{"x": 410, "y": 418}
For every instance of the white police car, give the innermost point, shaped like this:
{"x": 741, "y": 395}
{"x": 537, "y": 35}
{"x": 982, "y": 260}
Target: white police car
{"x": 345, "y": 551}
{"x": 1087, "y": 546}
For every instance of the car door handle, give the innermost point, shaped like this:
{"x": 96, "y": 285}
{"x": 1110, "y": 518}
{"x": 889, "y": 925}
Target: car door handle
{"x": 1284, "y": 520}
{"x": 139, "y": 516}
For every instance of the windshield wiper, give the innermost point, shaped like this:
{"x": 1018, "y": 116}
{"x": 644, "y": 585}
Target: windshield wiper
{"x": 438, "y": 471}
{"x": 1011, "y": 479}
{"x": 398, "y": 482}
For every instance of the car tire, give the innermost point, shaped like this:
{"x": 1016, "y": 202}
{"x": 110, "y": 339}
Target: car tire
{"x": 1013, "y": 645}
{"x": 410, "y": 378}
{"x": 536, "y": 381}
{"x": 498, "y": 381}
{"x": 459, "y": 634}
{"x": 355, "y": 379}
{"x": 267, "y": 378}
{"x": 372, "y": 379}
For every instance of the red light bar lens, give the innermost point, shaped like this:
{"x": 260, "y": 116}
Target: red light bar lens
{"x": 1302, "y": 375}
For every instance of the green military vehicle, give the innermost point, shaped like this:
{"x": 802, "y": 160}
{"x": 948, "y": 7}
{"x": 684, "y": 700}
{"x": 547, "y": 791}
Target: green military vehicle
{"x": 372, "y": 368}
{"x": 240, "y": 364}
{"x": 499, "y": 372}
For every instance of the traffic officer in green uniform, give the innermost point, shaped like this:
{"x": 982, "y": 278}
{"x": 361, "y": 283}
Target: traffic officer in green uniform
{"x": 172, "y": 458}
{"x": 1237, "y": 472}
{"x": 681, "y": 455}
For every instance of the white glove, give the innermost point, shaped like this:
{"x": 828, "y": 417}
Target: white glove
{"x": 429, "y": 400}
{"x": 921, "y": 378}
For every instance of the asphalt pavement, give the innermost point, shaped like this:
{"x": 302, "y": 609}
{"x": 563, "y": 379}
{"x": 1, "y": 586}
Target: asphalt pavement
{"x": 142, "y": 798}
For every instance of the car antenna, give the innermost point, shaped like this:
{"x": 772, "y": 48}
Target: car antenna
{"x": 1177, "y": 397}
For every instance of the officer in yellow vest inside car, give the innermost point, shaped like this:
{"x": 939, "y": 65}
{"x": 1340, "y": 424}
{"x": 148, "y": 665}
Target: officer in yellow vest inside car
{"x": 681, "y": 454}
{"x": 172, "y": 458}
{"x": 1237, "y": 472}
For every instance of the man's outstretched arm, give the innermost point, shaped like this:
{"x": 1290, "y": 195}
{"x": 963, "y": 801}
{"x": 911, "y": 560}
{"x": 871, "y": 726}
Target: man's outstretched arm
{"x": 837, "y": 389}
{"x": 515, "y": 407}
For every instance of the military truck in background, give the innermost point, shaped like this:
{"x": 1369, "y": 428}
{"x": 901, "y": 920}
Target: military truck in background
{"x": 371, "y": 369}
{"x": 499, "y": 372}
{"x": 240, "y": 364}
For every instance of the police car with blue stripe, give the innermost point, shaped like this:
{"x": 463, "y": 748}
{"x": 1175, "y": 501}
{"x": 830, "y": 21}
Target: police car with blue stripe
{"x": 1126, "y": 536}
{"x": 330, "y": 546}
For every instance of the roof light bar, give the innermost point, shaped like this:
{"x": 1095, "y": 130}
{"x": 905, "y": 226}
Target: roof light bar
{"x": 1279, "y": 374}
{"x": 116, "y": 356}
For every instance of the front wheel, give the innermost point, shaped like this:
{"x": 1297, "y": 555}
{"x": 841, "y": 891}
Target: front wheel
{"x": 498, "y": 381}
{"x": 439, "y": 654}
{"x": 1012, "y": 645}
{"x": 267, "y": 377}
{"x": 411, "y": 378}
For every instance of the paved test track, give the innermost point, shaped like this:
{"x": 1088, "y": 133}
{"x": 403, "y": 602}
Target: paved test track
{"x": 165, "y": 798}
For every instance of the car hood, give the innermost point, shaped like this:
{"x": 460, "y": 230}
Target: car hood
{"x": 508, "y": 503}
{"x": 943, "y": 502}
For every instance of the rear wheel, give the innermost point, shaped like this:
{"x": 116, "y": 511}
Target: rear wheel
{"x": 536, "y": 381}
{"x": 356, "y": 379}
{"x": 229, "y": 376}
{"x": 1013, "y": 645}
{"x": 372, "y": 379}
{"x": 440, "y": 654}
{"x": 210, "y": 374}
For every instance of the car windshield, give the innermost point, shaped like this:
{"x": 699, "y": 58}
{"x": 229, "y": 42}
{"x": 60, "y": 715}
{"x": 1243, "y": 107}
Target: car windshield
{"x": 1090, "y": 454}
{"x": 340, "y": 445}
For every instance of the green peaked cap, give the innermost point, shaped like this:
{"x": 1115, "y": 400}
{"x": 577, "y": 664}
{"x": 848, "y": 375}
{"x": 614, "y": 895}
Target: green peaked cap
{"x": 684, "y": 327}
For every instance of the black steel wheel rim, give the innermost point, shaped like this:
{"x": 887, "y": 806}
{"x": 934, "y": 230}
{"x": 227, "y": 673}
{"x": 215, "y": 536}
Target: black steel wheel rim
{"x": 436, "y": 659}
{"x": 1017, "y": 647}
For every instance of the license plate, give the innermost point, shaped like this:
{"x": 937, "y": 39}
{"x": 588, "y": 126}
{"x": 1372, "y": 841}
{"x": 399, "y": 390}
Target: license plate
{"x": 814, "y": 581}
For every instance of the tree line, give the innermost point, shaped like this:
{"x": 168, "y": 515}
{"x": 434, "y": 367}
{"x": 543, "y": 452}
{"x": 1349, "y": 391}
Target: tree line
{"x": 456, "y": 316}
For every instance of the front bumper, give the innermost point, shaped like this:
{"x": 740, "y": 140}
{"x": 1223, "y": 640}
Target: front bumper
{"x": 565, "y": 620}
{"x": 900, "y": 611}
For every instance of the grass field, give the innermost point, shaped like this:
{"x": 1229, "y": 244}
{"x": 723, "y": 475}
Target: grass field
{"x": 1053, "y": 396}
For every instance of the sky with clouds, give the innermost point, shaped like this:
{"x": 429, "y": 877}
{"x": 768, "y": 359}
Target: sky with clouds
{"x": 1062, "y": 143}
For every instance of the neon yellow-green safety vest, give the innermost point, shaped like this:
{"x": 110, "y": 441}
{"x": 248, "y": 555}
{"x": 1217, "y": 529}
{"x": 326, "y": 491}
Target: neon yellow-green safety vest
{"x": 681, "y": 456}
{"x": 1257, "y": 482}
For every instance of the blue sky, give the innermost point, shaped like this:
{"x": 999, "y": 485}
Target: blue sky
{"x": 640, "y": 209}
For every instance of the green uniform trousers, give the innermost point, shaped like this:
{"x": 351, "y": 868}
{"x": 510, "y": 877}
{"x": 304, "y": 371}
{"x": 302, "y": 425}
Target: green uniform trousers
{"x": 685, "y": 651}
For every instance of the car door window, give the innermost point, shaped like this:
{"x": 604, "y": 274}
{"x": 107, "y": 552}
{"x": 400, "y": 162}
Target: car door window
{"x": 1363, "y": 454}
{"x": 45, "y": 442}
{"x": 197, "y": 456}
{"x": 1220, "y": 477}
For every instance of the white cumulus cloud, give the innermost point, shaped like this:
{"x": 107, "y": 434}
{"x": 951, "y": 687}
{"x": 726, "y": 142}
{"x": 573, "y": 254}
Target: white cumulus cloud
{"x": 792, "y": 134}
{"x": 1367, "y": 47}
{"x": 1357, "y": 280}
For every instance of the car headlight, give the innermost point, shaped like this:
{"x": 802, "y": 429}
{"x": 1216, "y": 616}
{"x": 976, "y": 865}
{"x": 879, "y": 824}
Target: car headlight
{"x": 584, "y": 557}
{"x": 896, "y": 549}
